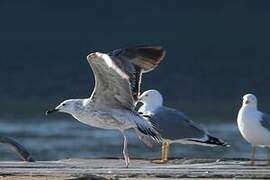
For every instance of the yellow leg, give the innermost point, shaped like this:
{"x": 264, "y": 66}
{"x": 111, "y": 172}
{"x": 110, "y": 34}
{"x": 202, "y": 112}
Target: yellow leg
{"x": 162, "y": 152}
{"x": 253, "y": 152}
{"x": 164, "y": 155}
{"x": 167, "y": 148}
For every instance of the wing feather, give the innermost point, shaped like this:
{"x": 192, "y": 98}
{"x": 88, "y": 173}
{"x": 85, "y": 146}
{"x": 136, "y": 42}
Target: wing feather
{"x": 175, "y": 125}
{"x": 118, "y": 78}
{"x": 137, "y": 60}
{"x": 112, "y": 87}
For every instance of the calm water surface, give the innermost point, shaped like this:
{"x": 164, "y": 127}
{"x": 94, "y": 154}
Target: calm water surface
{"x": 64, "y": 138}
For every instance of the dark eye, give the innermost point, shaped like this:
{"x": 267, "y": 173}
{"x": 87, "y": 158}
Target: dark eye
{"x": 146, "y": 95}
{"x": 63, "y": 104}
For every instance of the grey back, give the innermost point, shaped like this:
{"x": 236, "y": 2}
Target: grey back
{"x": 175, "y": 125}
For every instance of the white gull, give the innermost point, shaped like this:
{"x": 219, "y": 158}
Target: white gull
{"x": 254, "y": 125}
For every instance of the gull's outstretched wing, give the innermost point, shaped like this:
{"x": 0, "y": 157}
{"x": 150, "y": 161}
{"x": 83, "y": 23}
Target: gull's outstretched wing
{"x": 23, "y": 153}
{"x": 135, "y": 61}
{"x": 130, "y": 63}
{"x": 113, "y": 87}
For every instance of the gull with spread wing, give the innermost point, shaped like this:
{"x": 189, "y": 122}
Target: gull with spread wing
{"x": 117, "y": 86}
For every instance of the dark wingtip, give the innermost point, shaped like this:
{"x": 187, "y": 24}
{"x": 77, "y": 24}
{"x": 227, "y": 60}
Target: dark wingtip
{"x": 149, "y": 57}
{"x": 156, "y": 53}
{"x": 30, "y": 159}
{"x": 216, "y": 141}
{"x": 145, "y": 57}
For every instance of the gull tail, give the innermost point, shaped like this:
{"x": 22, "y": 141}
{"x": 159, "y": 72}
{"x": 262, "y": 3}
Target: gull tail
{"x": 23, "y": 153}
{"x": 211, "y": 141}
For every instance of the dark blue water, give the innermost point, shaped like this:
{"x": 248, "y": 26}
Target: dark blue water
{"x": 60, "y": 138}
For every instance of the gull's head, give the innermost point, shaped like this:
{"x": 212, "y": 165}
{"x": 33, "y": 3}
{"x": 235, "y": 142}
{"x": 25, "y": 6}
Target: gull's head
{"x": 151, "y": 98}
{"x": 67, "y": 106}
{"x": 249, "y": 100}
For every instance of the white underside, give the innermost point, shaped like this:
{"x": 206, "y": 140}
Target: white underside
{"x": 250, "y": 127}
{"x": 115, "y": 119}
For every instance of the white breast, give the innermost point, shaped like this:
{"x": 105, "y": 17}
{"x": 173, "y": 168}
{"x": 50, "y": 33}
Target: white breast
{"x": 250, "y": 127}
{"x": 113, "y": 119}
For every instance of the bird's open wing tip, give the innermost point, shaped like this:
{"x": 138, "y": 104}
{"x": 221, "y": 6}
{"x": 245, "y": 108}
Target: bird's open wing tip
{"x": 146, "y": 57}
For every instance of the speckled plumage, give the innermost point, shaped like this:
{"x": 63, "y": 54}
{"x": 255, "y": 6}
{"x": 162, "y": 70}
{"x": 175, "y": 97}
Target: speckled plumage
{"x": 117, "y": 81}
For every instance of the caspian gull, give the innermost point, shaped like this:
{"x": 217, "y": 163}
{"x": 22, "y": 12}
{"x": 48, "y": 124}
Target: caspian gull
{"x": 254, "y": 125}
{"x": 117, "y": 86}
{"x": 174, "y": 126}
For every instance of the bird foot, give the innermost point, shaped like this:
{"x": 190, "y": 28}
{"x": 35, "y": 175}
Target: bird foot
{"x": 127, "y": 161}
{"x": 127, "y": 164}
{"x": 160, "y": 161}
{"x": 252, "y": 163}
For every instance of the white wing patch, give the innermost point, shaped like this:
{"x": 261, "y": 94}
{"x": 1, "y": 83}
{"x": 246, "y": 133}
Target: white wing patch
{"x": 112, "y": 65}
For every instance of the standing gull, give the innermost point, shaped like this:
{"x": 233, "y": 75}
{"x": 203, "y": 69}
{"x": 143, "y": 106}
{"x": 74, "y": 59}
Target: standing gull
{"x": 117, "y": 79}
{"x": 254, "y": 125}
{"x": 174, "y": 126}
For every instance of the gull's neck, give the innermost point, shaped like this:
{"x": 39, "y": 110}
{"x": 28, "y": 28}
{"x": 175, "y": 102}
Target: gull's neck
{"x": 250, "y": 106}
{"x": 148, "y": 108}
{"x": 86, "y": 101}
{"x": 80, "y": 107}
{"x": 78, "y": 104}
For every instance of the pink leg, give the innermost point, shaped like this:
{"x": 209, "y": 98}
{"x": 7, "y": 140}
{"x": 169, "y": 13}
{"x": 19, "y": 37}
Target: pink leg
{"x": 125, "y": 150}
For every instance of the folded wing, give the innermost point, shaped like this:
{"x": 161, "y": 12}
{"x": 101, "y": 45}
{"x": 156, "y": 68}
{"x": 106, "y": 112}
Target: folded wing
{"x": 175, "y": 125}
